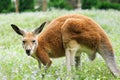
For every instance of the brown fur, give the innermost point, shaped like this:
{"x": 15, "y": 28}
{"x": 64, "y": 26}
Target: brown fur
{"x": 77, "y": 27}
{"x": 72, "y": 34}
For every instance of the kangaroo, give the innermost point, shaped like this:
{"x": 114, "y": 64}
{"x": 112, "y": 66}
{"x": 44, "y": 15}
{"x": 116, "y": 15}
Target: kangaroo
{"x": 68, "y": 36}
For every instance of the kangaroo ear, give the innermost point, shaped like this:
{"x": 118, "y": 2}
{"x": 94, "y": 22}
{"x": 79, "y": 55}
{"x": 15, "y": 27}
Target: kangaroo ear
{"x": 39, "y": 29}
{"x": 18, "y": 30}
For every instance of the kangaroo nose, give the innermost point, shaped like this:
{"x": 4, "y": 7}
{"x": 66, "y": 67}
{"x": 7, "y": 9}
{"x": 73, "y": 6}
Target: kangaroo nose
{"x": 28, "y": 52}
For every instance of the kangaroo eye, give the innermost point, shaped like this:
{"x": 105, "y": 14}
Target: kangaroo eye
{"x": 23, "y": 42}
{"x": 33, "y": 41}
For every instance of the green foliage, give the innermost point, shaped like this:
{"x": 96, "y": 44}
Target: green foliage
{"x": 5, "y": 6}
{"x": 109, "y": 5}
{"x": 88, "y": 4}
{"x": 26, "y": 5}
{"x": 62, "y": 4}
{"x": 106, "y": 4}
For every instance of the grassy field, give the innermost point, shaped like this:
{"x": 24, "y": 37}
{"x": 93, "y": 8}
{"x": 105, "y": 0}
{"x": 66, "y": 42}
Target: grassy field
{"x": 16, "y": 65}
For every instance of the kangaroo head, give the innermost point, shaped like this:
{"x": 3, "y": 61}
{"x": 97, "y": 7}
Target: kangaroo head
{"x": 29, "y": 40}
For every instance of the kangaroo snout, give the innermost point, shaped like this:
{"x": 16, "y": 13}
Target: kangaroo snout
{"x": 28, "y": 52}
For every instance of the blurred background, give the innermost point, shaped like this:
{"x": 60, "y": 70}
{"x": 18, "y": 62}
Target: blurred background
{"x": 7, "y": 6}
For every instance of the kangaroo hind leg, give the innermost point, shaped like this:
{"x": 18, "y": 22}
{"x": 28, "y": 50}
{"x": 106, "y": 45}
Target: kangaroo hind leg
{"x": 71, "y": 49}
{"x": 78, "y": 63}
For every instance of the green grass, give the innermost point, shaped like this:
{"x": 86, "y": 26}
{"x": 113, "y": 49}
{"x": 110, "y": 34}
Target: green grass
{"x": 16, "y": 65}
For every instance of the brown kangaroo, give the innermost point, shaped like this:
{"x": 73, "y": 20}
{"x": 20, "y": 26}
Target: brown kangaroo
{"x": 69, "y": 36}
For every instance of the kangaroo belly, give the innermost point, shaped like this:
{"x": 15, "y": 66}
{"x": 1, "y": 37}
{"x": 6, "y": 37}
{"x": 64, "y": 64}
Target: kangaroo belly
{"x": 56, "y": 53}
{"x": 79, "y": 48}
{"x": 86, "y": 49}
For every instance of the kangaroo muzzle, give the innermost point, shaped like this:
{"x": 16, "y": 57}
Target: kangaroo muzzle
{"x": 28, "y": 52}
